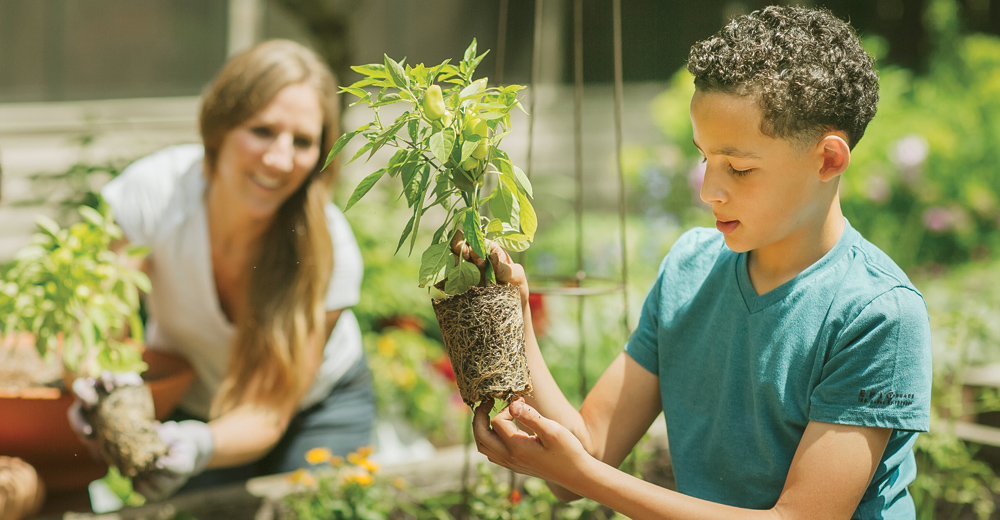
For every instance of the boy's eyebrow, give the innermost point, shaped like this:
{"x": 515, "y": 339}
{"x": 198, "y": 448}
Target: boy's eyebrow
{"x": 732, "y": 151}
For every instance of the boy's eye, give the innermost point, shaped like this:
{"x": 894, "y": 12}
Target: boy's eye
{"x": 739, "y": 173}
{"x": 303, "y": 142}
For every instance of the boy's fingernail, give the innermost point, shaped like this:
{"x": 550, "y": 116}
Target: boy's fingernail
{"x": 516, "y": 407}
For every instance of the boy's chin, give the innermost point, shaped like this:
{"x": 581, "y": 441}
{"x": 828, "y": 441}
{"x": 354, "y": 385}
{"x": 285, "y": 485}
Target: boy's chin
{"x": 736, "y": 246}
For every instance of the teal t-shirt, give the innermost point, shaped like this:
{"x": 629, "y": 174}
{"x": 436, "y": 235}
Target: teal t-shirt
{"x": 846, "y": 341}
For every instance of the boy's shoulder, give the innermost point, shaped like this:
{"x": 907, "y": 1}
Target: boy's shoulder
{"x": 696, "y": 249}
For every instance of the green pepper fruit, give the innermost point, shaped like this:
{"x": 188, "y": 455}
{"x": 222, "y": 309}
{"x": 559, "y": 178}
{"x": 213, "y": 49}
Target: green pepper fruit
{"x": 461, "y": 176}
{"x": 482, "y": 150}
{"x": 471, "y": 163}
{"x": 433, "y": 103}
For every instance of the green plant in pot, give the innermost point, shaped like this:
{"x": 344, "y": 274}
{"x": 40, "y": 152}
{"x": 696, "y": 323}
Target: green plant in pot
{"x": 80, "y": 301}
{"x": 447, "y": 155}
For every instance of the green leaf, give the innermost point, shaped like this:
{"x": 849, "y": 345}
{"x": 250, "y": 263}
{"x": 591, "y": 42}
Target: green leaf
{"x": 522, "y": 180}
{"x": 511, "y": 244}
{"x": 470, "y": 51}
{"x": 396, "y": 74}
{"x": 529, "y": 222}
{"x": 469, "y": 146}
{"x": 502, "y": 203}
{"x": 387, "y": 99}
{"x": 356, "y": 91}
{"x": 91, "y": 215}
{"x": 385, "y": 136}
{"x": 442, "y": 143}
{"x": 47, "y": 225}
{"x": 338, "y": 146}
{"x": 473, "y": 233}
{"x": 406, "y": 233}
{"x": 433, "y": 263}
{"x": 461, "y": 277}
{"x": 372, "y": 70}
{"x": 364, "y": 187}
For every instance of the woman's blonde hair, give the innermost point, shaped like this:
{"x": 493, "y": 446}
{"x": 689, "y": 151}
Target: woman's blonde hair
{"x": 284, "y": 311}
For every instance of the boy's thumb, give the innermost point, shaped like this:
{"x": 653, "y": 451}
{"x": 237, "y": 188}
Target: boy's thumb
{"x": 528, "y": 416}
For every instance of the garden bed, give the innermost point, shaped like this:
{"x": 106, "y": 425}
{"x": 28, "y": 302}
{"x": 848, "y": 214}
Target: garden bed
{"x": 445, "y": 472}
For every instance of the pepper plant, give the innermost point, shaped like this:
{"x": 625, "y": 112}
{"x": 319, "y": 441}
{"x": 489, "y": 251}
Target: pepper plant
{"x": 68, "y": 286}
{"x": 446, "y": 143}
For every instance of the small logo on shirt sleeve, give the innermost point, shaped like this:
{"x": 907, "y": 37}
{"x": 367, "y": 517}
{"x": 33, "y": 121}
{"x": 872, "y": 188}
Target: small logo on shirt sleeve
{"x": 884, "y": 398}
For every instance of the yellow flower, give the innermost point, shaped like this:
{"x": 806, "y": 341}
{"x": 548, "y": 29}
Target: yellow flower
{"x": 399, "y": 483}
{"x": 302, "y": 476}
{"x": 372, "y": 467}
{"x": 361, "y": 478}
{"x": 366, "y": 451}
{"x": 357, "y": 459}
{"x": 318, "y": 455}
{"x": 336, "y": 461}
{"x": 386, "y": 346}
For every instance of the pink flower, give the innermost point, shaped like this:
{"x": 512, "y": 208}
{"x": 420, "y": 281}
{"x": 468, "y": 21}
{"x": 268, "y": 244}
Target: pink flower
{"x": 938, "y": 219}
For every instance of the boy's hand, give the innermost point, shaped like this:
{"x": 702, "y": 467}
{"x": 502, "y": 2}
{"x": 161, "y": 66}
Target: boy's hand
{"x": 551, "y": 452}
{"x": 506, "y": 270}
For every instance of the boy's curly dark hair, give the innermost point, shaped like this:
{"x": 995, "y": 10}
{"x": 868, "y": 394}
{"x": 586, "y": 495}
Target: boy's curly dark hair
{"x": 805, "y": 66}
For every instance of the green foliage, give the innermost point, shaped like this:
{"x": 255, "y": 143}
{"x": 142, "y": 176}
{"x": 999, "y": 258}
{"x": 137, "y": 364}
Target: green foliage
{"x": 76, "y": 296}
{"x": 336, "y": 491}
{"x": 950, "y": 477}
{"x": 442, "y": 157}
{"x": 413, "y": 383}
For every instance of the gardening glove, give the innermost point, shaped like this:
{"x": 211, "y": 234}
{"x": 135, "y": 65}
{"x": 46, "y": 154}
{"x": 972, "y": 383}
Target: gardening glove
{"x": 189, "y": 449}
{"x": 85, "y": 390}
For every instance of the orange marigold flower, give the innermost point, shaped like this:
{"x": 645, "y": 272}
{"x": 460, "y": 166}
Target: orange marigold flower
{"x": 318, "y": 455}
{"x": 361, "y": 478}
{"x": 302, "y": 476}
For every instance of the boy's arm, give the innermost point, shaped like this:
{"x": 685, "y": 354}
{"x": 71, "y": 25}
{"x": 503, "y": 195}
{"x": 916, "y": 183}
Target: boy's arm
{"x": 828, "y": 476}
{"x": 616, "y": 412}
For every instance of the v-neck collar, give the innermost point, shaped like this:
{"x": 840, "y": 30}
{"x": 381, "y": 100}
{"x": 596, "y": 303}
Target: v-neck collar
{"x": 756, "y": 303}
{"x": 199, "y": 208}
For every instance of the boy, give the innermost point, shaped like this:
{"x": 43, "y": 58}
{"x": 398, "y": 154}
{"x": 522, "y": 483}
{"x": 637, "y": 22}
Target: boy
{"x": 790, "y": 356}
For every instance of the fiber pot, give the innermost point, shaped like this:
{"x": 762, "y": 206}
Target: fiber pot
{"x": 483, "y": 330}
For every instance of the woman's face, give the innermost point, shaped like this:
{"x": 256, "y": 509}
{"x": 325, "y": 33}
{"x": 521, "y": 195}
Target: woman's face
{"x": 264, "y": 160}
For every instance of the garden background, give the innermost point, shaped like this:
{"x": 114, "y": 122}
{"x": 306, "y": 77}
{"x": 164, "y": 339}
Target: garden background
{"x": 89, "y": 85}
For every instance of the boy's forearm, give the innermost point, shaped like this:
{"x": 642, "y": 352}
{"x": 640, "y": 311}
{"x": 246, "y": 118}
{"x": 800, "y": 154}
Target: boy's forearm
{"x": 546, "y": 396}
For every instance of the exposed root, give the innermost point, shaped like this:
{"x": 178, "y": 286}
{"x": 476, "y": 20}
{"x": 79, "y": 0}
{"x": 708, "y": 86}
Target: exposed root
{"x": 483, "y": 330}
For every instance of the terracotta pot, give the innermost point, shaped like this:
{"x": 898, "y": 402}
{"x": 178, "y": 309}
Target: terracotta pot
{"x": 35, "y": 427}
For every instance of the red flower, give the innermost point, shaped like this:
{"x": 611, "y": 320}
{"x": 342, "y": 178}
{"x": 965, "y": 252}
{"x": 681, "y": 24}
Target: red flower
{"x": 515, "y": 497}
{"x": 443, "y": 367}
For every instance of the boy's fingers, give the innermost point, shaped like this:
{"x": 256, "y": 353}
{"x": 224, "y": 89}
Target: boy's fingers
{"x": 530, "y": 418}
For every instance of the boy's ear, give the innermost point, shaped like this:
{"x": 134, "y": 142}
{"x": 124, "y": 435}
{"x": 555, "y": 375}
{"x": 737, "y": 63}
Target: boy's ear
{"x": 836, "y": 155}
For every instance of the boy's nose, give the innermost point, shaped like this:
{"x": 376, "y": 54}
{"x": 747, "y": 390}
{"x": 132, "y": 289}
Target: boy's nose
{"x": 711, "y": 189}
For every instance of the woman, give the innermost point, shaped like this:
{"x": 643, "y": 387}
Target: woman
{"x": 253, "y": 270}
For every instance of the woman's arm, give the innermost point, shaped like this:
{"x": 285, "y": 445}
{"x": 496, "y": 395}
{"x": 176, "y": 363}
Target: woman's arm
{"x": 249, "y": 431}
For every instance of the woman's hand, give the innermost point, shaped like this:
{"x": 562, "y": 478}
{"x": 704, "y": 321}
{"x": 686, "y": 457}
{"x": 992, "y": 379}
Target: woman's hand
{"x": 548, "y": 451}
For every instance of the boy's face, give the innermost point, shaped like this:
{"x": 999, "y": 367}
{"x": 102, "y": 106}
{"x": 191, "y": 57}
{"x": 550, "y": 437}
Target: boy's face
{"x": 765, "y": 192}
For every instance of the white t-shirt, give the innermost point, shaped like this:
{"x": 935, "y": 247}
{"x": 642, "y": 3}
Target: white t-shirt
{"x": 159, "y": 203}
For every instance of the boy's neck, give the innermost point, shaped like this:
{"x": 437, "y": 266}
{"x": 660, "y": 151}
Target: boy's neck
{"x": 771, "y": 266}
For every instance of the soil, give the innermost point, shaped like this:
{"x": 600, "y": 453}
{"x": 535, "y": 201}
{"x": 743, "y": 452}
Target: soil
{"x": 22, "y": 368}
{"x": 483, "y": 331}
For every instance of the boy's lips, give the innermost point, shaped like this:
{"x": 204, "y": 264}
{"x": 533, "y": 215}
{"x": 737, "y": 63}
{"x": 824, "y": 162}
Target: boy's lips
{"x": 726, "y": 226}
